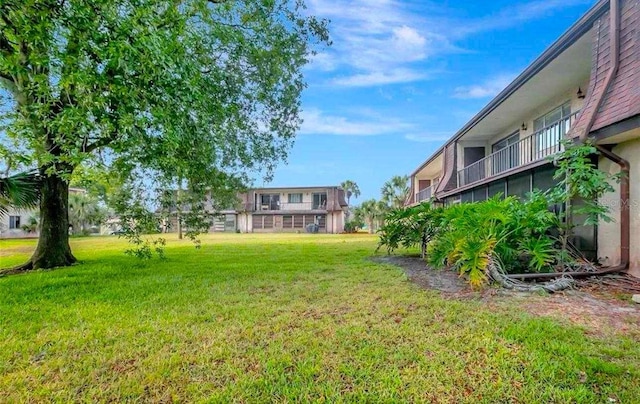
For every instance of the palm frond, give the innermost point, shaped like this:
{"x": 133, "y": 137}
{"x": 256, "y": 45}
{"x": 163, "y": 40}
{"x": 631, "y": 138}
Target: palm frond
{"x": 19, "y": 191}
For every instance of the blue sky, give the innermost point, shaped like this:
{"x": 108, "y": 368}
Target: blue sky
{"x": 402, "y": 76}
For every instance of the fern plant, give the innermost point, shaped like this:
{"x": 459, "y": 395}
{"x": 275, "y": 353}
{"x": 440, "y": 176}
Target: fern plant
{"x": 466, "y": 237}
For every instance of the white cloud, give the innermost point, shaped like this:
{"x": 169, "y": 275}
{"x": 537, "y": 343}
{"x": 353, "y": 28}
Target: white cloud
{"x": 380, "y": 78}
{"x": 383, "y": 42}
{"x": 486, "y": 89}
{"x": 323, "y": 61}
{"x": 377, "y": 41}
{"x": 318, "y": 123}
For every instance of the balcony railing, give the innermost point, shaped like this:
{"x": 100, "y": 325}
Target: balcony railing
{"x": 536, "y": 147}
{"x": 302, "y": 206}
{"x": 425, "y": 194}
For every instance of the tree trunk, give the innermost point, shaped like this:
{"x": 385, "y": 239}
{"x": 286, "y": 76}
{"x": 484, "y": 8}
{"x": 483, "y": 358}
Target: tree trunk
{"x": 53, "y": 248}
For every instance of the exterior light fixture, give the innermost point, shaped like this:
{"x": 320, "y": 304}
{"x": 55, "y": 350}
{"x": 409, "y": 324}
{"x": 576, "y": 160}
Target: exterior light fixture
{"x": 524, "y": 126}
{"x": 580, "y": 94}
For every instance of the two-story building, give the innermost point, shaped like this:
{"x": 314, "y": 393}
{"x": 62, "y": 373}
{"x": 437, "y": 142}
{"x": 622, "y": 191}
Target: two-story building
{"x": 266, "y": 210}
{"x": 585, "y": 85}
{"x": 284, "y": 209}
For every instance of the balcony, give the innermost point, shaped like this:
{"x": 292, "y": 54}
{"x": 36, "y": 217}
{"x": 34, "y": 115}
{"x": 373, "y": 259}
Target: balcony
{"x": 536, "y": 147}
{"x": 425, "y": 194}
{"x": 282, "y": 206}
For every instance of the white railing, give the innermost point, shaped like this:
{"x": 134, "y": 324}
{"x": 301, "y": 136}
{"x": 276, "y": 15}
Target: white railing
{"x": 301, "y": 206}
{"x": 539, "y": 145}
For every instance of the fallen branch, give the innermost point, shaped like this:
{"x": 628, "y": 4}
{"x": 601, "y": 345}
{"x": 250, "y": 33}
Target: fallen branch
{"x": 499, "y": 275}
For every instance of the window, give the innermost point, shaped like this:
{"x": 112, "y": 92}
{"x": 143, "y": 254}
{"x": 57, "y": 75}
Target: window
{"x": 452, "y": 200}
{"x": 14, "y": 222}
{"x": 506, "y": 154}
{"x": 320, "y": 201}
{"x": 519, "y": 185}
{"x": 550, "y": 128}
{"x": 270, "y": 202}
{"x": 267, "y": 222}
{"x": 543, "y": 178}
{"x": 308, "y": 219}
{"x": 257, "y": 222}
{"x": 230, "y": 223}
{"x": 295, "y": 198}
{"x": 497, "y": 187}
{"x": 504, "y": 143}
{"x": 480, "y": 194}
{"x": 467, "y": 197}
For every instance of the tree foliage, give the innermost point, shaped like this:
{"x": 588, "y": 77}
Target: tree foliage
{"x": 351, "y": 189}
{"x": 19, "y": 191}
{"x": 396, "y": 191}
{"x": 84, "y": 211}
{"x": 371, "y": 213}
{"x": 156, "y": 91}
{"x": 467, "y": 236}
{"x": 579, "y": 179}
{"x": 411, "y": 226}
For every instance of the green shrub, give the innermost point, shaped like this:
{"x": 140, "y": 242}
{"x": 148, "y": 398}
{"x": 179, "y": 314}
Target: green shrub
{"x": 352, "y": 226}
{"x": 524, "y": 236}
{"x": 467, "y": 236}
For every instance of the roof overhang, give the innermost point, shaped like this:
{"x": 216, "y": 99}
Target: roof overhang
{"x": 430, "y": 162}
{"x": 564, "y": 74}
{"x": 566, "y": 40}
{"x": 562, "y": 44}
{"x": 430, "y": 169}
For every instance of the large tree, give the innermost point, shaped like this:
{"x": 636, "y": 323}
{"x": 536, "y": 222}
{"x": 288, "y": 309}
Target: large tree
{"x": 159, "y": 91}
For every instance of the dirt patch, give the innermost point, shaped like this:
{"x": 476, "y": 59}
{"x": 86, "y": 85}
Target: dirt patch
{"x": 445, "y": 281}
{"x": 599, "y": 314}
{"x": 6, "y": 252}
{"x": 601, "y": 309}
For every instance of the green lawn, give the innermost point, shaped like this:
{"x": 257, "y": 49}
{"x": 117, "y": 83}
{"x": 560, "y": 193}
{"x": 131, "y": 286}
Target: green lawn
{"x": 255, "y": 318}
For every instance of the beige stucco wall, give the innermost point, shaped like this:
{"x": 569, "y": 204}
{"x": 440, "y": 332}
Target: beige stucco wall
{"x": 560, "y": 99}
{"x": 335, "y": 222}
{"x": 245, "y": 224}
{"x": 25, "y": 215}
{"x": 609, "y": 233}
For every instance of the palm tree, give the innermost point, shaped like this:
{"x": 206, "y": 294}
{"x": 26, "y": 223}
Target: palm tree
{"x": 370, "y": 213}
{"x": 351, "y": 189}
{"x": 396, "y": 191}
{"x": 19, "y": 191}
{"x": 382, "y": 209}
{"x": 83, "y": 210}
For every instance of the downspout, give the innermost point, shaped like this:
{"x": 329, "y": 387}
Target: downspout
{"x": 625, "y": 214}
{"x": 625, "y": 209}
{"x": 625, "y": 217}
